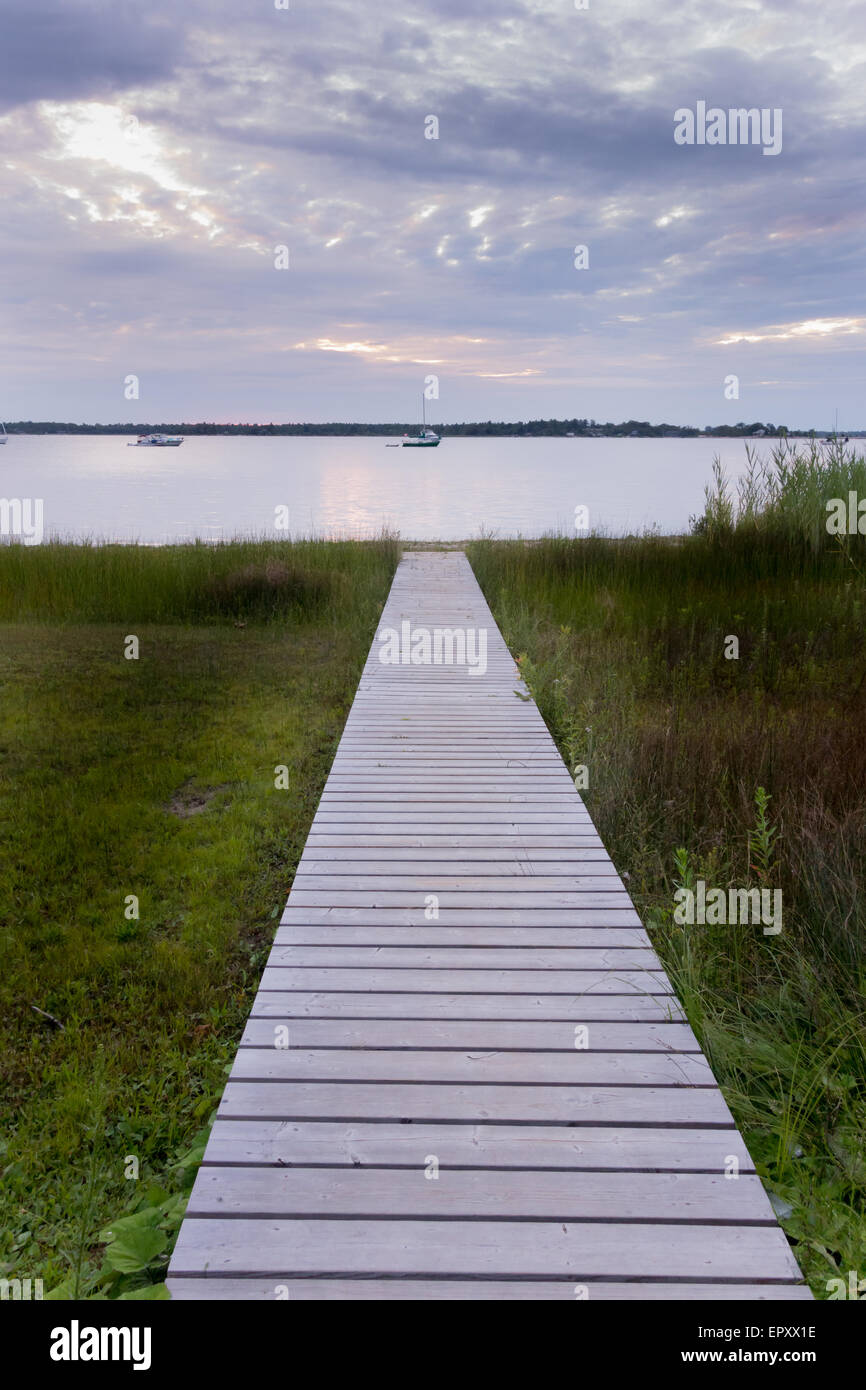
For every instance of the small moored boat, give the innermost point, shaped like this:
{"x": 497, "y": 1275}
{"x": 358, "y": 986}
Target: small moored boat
{"x": 156, "y": 441}
{"x": 424, "y": 439}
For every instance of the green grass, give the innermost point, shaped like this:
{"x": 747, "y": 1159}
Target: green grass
{"x": 622, "y": 643}
{"x": 191, "y": 583}
{"x": 785, "y": 495}
{"x": 155, "y": 778}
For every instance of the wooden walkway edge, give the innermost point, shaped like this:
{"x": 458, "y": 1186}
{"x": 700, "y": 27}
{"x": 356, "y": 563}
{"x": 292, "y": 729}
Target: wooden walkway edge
{"x": 465, "y": 1074}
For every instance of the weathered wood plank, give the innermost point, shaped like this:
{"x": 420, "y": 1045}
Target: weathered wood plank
{"x": 418, "y": 784}
{"x": 487, "y": 1248}
{"x": 534, "y": 846}
{"x": 453, "y": 898}
{"x": 445, "y": 759}
{"x": 494, "y": 1194}
{"x": 579, "y": 1067}
{"x": 448, "y": 801}
{"x": 523, "y": 862}
{"x": 436, "y": 934}
{"x": 574, "y": 982}
{"x": 396, "y": 881}
{"x": 478, "y": 916}
{"x": 546, "y": 829}
{"x": 524, "y": 1147}
{"x": 382, "y": 957}
{"x": 574, "y": 1009}
{"x": 472, "y": 740}
{"x": 530, "y": 1103}
{"x": 420, "y": 819}
{"x": 462, "y": 1033}
{"x": 440, "y": 775}
{"x": 364, "y": 1289}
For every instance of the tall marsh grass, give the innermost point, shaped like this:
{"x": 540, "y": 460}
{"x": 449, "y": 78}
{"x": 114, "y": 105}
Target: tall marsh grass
{"x": 743, "y": 772}
{"x": 198, "y": 582}
{"x": 785, "y": 494}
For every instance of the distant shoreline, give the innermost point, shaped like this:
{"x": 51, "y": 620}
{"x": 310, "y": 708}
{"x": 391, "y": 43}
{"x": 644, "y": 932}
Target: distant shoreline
{"x": 529, "y": 429}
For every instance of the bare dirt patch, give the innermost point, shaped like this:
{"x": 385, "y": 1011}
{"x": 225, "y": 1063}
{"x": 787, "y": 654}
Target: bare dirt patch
{"x": 189, "y": 800}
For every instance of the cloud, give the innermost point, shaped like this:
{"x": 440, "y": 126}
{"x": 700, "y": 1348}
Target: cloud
{"x": 71, "y": 49}
{"x": 812, "y": 328}
{"x": 258, "y": 128}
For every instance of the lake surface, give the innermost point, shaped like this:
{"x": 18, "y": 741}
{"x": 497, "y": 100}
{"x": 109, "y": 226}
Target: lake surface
{"x": 96, "y": 486}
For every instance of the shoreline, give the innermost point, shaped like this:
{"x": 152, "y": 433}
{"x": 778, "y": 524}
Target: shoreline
{"x": 507, "y": 430}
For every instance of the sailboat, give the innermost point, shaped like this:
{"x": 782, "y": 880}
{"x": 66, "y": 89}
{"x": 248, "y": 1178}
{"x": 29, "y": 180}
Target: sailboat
{"x": 156, "y": 441}
{"x": 424, "y": 439}
{"x": 834, "y": 437}
{"x": 4, "y": 436}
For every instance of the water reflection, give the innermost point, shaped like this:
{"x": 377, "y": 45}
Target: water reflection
{"x": 98, "y": 487}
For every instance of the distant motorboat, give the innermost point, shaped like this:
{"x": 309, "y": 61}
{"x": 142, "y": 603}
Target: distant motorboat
{"x": 156, "y": 441}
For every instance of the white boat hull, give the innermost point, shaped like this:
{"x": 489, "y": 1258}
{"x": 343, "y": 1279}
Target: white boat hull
{"x": 156, "y": 441}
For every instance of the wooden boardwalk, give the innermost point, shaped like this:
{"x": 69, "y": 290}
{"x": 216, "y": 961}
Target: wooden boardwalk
{"x": 524, "y": 1044}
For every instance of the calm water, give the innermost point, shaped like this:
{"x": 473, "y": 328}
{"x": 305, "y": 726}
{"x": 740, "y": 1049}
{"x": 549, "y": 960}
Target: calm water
{"x": 217, "y": 487}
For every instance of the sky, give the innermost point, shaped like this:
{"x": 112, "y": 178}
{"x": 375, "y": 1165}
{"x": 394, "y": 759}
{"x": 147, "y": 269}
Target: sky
{"x": 160, "y": 164}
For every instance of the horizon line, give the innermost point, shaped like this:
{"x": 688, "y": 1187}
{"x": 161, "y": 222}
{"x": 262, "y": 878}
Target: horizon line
{"x": 582, "y": 427}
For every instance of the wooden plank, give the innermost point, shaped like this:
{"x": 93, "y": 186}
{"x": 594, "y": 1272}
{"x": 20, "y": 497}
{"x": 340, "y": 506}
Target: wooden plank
{"x": 494, "y": 1194}
{"x": 418, "y": 787}
{"x": 572, "y": 1148}
{"x": 473, "y": 741}
{"x": 396, "y": 740}
{"x": 438, "y": 935}
{"x": 484, "y": 1067}
{"x": 573, "y": 982}
{"x": 454, "y": 898}
{"x": 448, "y": 783}
{"x": 382, "y": 712}
{"x": 443, "y": 759}
{"x": 449, "y": 755}
{"x": 489, "y": 1248}
{"x": 533, "y": 846}
{"x": 470, "y": 804}
{"x": 513, "y": 861}
{"x": 536, "y": 873}
{"x": 474, "y": 1104}
{"x": 415, "y": 820}
{"x": 467, "y": 957}
{"x": 468, "y": 1033}
{"x": 364, "y": 1289}
{"x": 426, "y": 818}
{"x": 451, "y": 770}
{"x": 586, "y": 879}
{"x": 463, "y": 917}
{"x": 589, "y": 1008}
